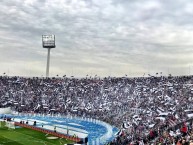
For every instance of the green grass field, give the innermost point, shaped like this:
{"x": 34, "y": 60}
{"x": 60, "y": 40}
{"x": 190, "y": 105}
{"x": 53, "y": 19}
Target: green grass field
{"x": 24, "y": 136}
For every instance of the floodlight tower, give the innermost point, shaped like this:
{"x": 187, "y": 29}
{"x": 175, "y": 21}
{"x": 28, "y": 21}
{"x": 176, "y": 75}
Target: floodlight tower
{"x": 48, "y": 41}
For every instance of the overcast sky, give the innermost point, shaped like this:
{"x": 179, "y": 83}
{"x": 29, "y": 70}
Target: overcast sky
{"x": 103, "y": 37}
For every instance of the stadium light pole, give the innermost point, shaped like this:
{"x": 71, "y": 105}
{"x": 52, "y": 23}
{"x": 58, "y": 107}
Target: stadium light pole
{"x": 48, "y": 63}
{"x": 48, "y": 41}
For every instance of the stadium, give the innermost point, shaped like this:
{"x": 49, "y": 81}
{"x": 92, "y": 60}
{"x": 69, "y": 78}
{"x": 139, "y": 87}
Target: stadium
{"x": 131, "y": 119}
{"x": 96, "y": 72}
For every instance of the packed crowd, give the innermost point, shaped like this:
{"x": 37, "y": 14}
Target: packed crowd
{"x": 134, "y": 105}
{"x": 180, "y": 134}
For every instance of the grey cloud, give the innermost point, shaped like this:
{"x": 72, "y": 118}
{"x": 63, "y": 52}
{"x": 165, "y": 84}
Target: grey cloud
{"x": 98, "y": 35}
